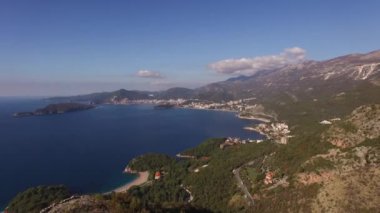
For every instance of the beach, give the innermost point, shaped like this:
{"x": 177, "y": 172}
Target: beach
{"x": 142, "y": 178}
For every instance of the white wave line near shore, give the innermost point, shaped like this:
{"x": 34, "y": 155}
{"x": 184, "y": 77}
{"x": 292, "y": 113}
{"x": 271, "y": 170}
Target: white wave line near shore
{"x": 141, "y": 179}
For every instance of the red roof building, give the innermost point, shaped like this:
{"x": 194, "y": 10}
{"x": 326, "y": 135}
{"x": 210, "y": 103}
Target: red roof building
{"x": 157, "y": 175}
{"x": 268, "y": 178}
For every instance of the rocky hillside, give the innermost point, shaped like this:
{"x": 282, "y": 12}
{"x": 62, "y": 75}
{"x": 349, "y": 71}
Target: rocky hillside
{"x": 348, "y": 173}
{"x": 302, "y": 77}
{"x": 78, "y": 204}
{"x": 362, "y": 124}
{"x": 311, "y": 90}
{"x": 338, "y": 177}
{"x": 351, "y": 184}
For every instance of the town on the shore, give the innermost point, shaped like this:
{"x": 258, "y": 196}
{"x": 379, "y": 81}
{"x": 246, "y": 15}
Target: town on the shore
{"x": 244, "y": 109}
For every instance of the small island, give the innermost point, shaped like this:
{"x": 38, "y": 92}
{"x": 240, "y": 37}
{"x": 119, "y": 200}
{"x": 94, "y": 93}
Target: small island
{"x": 59, "y": 108}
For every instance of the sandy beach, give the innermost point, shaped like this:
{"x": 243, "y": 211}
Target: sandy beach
{"x": 142, "y": 178}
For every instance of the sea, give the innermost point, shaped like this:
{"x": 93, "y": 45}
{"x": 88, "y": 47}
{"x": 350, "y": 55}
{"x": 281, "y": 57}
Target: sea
{"x": 88, "y": 150}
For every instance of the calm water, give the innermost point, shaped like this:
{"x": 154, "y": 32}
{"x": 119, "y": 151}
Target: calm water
{"x": 88, "y": 150}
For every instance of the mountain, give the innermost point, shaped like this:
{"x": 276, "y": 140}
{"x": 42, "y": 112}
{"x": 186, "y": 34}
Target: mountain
{"x": 331, "y": 162}
{"x": 314, "y": 89}
{"x": 239, "y": 78}
{"x": 306, "y": 80}
{"x": 175, "y": 93}
{"x": 311, "y": 90}
{"x": 102, "y": 97}
{"x": 340, "y": 74}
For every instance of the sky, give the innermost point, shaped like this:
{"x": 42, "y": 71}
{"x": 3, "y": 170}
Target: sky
{"x": 51, "y": 47}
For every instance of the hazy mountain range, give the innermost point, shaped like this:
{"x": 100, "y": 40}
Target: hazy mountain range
{"x": 340, "y": 74}
{"x": 317, "y": 82}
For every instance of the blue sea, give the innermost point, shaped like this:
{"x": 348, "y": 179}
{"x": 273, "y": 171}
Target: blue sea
{"x": 88, "y": 150}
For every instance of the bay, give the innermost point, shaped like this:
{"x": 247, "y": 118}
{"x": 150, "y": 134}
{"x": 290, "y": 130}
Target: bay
{"x": 88, "y": 150}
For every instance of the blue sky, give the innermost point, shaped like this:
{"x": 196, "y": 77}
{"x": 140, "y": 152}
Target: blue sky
{"x": 51, "y": 47}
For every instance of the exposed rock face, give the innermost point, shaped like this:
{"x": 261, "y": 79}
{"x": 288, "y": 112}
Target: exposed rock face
{"x": 365, "y": 71}
{"x": 313, "y": 177}
{"x": 353, "y": 183}
{"x": 79, "y": 204}
{"x": 362, "y": 124}
{"x": 355, "y": 191}
{"x": 307, "y": 77}
{"x": 354, "y": 159}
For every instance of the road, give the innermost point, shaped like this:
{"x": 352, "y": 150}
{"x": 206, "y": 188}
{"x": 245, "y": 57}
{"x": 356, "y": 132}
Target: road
{"x": 241, "y": 185}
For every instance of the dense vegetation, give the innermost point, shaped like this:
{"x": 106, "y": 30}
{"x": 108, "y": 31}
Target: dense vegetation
{"x": 214, "y": 186}
{"x": 62, "y": 107}
{"x": 205, "y": 149}
{"x": 166, "y": 190}
{"x": 150, "y": 162}
{"x": 102, "y": 97}
{"x": 37, "y": 198}
{"x": 124, "y": 202}
{"x": 56, "y": 109}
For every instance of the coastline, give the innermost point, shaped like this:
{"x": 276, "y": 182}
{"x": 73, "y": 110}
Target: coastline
{"x": 255, "y": 118}
{"x": 265, "y": 120}
{"x": 218, "y": 110}
{"x": 123, "y": 184}
{"x": 142, "y": 177}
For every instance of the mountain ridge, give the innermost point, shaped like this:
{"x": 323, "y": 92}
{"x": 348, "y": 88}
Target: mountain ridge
{"x": 347, "y": 69}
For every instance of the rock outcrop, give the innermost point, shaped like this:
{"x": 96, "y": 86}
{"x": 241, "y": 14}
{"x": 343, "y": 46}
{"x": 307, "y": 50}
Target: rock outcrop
{"x": 362, "y": 124}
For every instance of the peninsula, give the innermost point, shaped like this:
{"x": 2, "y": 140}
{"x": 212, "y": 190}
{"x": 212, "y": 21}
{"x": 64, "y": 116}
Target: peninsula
{"x": 59, "y": 108}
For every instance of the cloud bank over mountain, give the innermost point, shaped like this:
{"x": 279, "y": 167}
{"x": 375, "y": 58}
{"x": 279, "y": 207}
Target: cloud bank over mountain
{"x": 148, "y": 74}
{"x": 250, "y": 66}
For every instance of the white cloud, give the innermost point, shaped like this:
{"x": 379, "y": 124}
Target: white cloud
{"x": 148, "y": 74}
{"x": 250, "y": 66}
